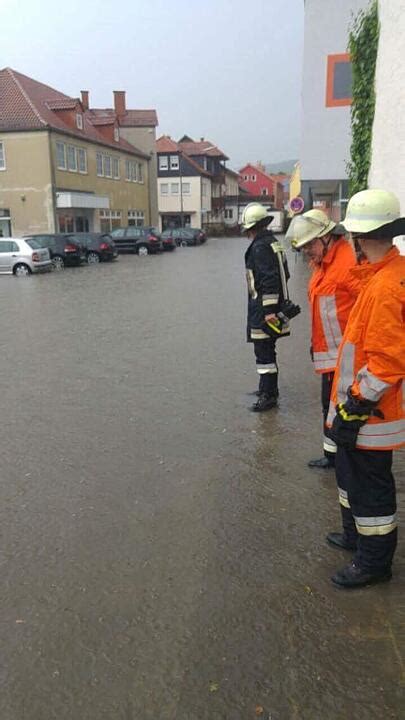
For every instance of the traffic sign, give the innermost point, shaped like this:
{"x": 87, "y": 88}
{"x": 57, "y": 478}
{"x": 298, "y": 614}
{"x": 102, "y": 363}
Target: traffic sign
{"x": 296, "y": 204}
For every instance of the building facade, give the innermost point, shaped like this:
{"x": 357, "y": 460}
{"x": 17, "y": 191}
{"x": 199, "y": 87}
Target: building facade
{"x": 326, "y": 93}
{"x": 260, "y": 184}
{"x": 61, "y": 168}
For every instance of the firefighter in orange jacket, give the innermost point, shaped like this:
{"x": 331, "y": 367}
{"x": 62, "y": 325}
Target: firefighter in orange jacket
{"x": 332, "y": 293}
{"x": 367, "y": 413}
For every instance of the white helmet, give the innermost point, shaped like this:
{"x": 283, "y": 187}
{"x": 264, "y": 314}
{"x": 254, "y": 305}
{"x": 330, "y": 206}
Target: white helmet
{"x": 253, "y": 214}
{"x": 308, "y": 226}
{"x": 369, "y": 210}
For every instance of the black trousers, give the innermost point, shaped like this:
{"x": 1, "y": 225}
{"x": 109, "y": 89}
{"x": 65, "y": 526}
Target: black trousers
{"x": 266, "y": 365}
{"x": 329, "y": 446}
{"x": 366, "y": 488}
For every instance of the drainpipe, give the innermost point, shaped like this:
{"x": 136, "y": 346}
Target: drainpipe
{"x": 53, "y": 182}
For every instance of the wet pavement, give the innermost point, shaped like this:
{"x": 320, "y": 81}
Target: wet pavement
{"x": 162, "y": 549}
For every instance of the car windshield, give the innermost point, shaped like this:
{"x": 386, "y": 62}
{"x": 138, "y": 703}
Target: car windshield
{"x": 34, "y": 244}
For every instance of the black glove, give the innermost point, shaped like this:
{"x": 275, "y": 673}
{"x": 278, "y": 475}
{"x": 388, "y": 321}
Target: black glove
{"x": 311, "y": 353}
{"x": 350, "y": 417}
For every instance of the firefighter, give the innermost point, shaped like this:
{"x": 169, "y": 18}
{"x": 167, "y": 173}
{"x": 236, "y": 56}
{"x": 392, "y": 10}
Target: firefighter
{"x": 331, "y": 292}
{"x": 267, "y": 275}
{"x": 367, "y": 405}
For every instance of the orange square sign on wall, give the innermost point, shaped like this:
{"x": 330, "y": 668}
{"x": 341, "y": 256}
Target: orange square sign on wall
{"x": 339, "y": 80}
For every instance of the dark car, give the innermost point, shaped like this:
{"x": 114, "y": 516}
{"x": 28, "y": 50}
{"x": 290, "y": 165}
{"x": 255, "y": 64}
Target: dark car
{"x": 185, "y": 236}
{"x": 63, "y": 251}
{"x": 139, "y": 240}
{"x": 98, "y": 247}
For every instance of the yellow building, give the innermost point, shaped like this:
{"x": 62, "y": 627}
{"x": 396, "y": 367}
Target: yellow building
{"x": 64, "y": 168}
{"x": 295, "y": 182}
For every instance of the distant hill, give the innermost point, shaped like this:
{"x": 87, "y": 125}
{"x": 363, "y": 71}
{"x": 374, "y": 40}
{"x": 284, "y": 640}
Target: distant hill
{"x": 286, "y": 166}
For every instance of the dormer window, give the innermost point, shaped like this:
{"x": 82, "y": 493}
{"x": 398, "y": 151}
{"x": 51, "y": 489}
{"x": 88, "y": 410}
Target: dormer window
{"x": 116, "y": 134}
{"x": 79, "y": 121}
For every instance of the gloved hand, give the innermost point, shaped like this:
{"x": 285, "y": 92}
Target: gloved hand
{"x": 350, "y": 417}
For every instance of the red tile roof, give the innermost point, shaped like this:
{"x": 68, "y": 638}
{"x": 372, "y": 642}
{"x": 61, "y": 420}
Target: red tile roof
{"x": 204, "y": 147}
{"x": 26, "y": 104}
{"x": 132, "y": 118}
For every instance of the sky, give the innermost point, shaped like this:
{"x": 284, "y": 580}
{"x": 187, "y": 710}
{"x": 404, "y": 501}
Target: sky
{"x": 226, "y": 70}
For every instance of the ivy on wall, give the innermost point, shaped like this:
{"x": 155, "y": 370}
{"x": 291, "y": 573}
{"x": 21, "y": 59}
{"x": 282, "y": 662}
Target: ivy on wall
{"x": 363, "y": 48}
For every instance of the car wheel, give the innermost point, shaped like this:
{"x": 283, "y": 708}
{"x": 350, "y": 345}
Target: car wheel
{"x": 143, "y": 250}
{"x": 183, "y": 243}
{"x": 58, "y": 262}
{"x": 93, "y": 258}
{"x": 21, "y": 270}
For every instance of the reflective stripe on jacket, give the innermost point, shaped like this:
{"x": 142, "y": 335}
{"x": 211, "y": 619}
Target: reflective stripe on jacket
{"x": 332, "y": 292}
{"x": 372, "y": 355}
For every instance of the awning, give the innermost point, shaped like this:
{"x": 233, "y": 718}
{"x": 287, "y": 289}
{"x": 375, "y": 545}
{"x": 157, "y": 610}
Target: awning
{"x": 82, "y": 200}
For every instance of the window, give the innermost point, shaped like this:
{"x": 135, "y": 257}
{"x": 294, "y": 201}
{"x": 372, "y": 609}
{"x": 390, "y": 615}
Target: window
{"x": 99, "y": 164}
{"x": 229, "y": 214}
{"x": 116, "y": 134}
{"x": 79, "y": 121}
{"x": 61, "y": 156}
{"x": 71, "y": 158}
{"x": 174, "y": 188}
{"x": 82, "y": 160}
{"x": 164, "y": 189}
{"x": 246, "y": 177}
{"x": 6, "y": 246}
{"x": 174, "y": 162}
{"x": 116, "y": 168}
{"x": 136, "y": 218}
{"x": 107, "y": 165}
{"x": 163, "y": 164}
{"x": 130, "y": 170}
{"x": 186, "y": 188}
{"x": 140, "y": 172}
{"x": 109, "y": 219}
{"x": 339, "y": 80}
{"x": 253, "y": 178}
{"x": 265, "y": 191}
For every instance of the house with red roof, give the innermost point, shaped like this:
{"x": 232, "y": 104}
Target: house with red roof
{"x": 260, "y": 184}
{"x": 65, "y": 167}
{"x": 191, "y": 182}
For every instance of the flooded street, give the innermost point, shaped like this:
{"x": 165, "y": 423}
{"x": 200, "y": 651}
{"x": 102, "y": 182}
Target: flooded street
{"x": 162, "y": 549}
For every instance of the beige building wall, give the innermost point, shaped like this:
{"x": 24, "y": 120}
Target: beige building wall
{"x": 231, "y": 185}
{"x": 144, "y": 138}
{"x": 193, "y": 203}
{"x": 26, "y": 183}
{"x": 123, "y": 195}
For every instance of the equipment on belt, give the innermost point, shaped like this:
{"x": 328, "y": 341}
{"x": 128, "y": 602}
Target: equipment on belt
{"x": 288, "y": 310}
{"x": 308, "y": 226}
{"x": 350, "y": 417}
{"x": 255, "y": 213}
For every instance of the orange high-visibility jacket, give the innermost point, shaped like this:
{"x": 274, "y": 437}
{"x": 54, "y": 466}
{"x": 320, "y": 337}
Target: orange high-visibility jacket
{"x": 372, "y": 354}
{"x": 332, "y": 292}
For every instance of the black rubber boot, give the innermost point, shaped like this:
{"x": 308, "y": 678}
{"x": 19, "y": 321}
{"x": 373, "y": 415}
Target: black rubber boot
{"x": 323, "y": 463}
{"x": 264, "y": 402}
{"x": 353, "y": 576}
{"x": 341, "y": 541}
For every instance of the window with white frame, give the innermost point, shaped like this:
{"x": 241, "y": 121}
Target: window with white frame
{"x": 203, "y": 188}
{"x": 174, "y": 162}
{"x": 79, "y": 121}
{"x": 229, "y": 214}
{"x": 130, "y": 170}
{"x": 71, "y": 158}
{"x": 116, "y": 134}
{"x": 164, "y": 188}
{"x": 99, "y": 164}
{"x": 246, "y": 177}
{"x": 174, "y": 188}
{"x": 116, "y": 168}
{"x": 136, "y": 217}
{"x": 163, "y": 162}
{"x": 61, "y": 156}
{"x": 109, "y": 220}
{"x": 186, "y": 188}
{"x": 140, "y": 172}
{"x": 253, "y": 178}
{"x": 107, "y": 166}
{"x": 82, "y": 160}
{"x": 265, "y": 191}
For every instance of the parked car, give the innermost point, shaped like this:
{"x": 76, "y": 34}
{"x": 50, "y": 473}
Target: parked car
{"x": 21, "y": 256}
{"x": 139, "y": 240}
{"x": 63, "y": 251}
{"x": 185, "y": 236}
{"x": 98, "y": 247}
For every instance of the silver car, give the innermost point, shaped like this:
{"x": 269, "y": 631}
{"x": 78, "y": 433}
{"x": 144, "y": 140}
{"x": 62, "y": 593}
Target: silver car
{"x": 23, "y": 257}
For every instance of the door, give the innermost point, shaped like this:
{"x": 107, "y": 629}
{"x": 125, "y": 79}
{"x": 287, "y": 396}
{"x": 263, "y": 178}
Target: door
{"x": 7, "y": 252}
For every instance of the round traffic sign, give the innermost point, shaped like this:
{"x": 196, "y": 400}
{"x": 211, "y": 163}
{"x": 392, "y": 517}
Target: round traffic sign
{"x": 297, "y": 204}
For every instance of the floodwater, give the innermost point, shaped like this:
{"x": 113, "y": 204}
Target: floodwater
{"x": 162, "y": 550}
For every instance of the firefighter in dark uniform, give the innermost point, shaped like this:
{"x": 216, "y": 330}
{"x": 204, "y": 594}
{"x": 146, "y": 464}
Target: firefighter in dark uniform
{"x": 267, "y": 275}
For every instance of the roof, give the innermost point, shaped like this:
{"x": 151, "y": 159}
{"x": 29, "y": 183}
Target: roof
{"x": 26, "y": 104}
{"x": 131, "y": 118}
{"x": 203, "y": 147}
{"x": 165, "y": 144}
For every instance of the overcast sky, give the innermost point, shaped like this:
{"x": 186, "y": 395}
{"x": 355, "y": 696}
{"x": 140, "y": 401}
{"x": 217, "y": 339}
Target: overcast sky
{"x": 228, "y": 70}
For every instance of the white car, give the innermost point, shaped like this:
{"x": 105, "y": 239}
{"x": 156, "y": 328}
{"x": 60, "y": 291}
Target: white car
{"x": 23, "y": 257}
